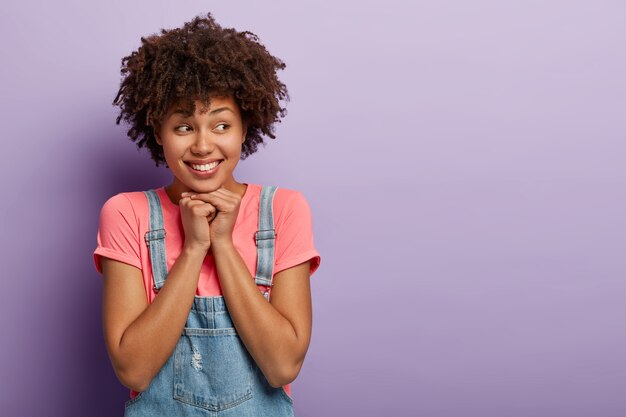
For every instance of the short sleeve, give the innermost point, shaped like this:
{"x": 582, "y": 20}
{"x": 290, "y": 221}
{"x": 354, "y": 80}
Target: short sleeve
{"x": 118, "y": 233}
{"x": 294, "y": 240}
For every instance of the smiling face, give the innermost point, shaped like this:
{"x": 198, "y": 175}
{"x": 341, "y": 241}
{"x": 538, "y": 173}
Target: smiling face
{"x": 203, "y": 149}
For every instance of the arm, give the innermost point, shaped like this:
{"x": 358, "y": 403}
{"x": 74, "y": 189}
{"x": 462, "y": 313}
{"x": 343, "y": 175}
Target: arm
{"x": 141, "y": 337}
{"x": 276, "y": 334}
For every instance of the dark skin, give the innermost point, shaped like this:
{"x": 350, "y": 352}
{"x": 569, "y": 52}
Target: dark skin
{"x": 140, "y": 337}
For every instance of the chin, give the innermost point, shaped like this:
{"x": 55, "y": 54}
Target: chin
{"x": 205, "y": 188}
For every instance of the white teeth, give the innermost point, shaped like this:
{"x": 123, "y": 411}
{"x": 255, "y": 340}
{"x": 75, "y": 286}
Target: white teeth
{"x": 206, "y": 167}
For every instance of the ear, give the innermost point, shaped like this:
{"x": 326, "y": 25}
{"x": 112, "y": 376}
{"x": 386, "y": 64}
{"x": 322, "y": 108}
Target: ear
{"x": 157, "y": 137}
{"x": 245, "y": 132}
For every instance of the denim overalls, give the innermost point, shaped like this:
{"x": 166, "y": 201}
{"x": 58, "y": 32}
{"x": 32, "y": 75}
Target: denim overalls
{"x": 210, "y": 372}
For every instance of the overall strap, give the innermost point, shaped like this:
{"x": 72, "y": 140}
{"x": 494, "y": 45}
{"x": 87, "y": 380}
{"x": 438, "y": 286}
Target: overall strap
{"x": 155, "y": 239}
{"x": 264, "y": 238}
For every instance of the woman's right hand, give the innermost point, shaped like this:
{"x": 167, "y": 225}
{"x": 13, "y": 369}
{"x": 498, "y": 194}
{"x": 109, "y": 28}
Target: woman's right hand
{"x": 196, "y": 216}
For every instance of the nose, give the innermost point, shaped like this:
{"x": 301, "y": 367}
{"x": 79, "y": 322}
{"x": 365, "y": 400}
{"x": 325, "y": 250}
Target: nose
{"x": 203, "y": 144}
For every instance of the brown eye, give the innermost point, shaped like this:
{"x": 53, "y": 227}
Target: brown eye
{"x": 221, "y": 127}
{"x": 183, "y": 128}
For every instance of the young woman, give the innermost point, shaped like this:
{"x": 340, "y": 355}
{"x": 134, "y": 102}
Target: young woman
{"x": 206, "y": 297}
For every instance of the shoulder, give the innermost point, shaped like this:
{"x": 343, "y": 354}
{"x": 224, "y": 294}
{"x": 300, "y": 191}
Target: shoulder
{"x": 119, "y": 229}
{"x": 284, "y": 198}
{"x": 294, "y": 231}
{"x": 128, "y": 205}
{"x": 289, "y": 203}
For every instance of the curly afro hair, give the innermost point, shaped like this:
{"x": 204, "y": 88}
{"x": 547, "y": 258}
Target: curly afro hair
{"x": 194, "y": 62}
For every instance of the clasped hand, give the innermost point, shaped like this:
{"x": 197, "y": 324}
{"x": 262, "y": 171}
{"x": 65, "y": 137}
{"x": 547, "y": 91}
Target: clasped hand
{"x": 209, "y": 218}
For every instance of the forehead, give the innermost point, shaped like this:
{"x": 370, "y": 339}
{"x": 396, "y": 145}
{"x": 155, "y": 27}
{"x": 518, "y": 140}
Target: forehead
{"x": 212, "y": 104}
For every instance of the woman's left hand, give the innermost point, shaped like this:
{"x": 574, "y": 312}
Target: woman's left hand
{"x": 227, "y": 204}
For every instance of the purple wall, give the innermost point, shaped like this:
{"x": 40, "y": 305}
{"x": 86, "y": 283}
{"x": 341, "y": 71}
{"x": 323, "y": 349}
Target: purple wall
{"x": 465, "y": 163}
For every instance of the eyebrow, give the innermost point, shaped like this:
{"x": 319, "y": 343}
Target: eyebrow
{"x": 221, "y": 109}
{"x": 186, "y": 113}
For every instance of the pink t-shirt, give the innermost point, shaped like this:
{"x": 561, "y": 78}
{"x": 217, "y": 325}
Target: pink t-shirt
{"x": 124, "y": 221}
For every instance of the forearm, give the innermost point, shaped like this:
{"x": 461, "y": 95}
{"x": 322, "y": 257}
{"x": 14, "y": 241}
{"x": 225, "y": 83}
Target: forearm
{"x": 150, "y": 340}
{"x": 268, "y": 336}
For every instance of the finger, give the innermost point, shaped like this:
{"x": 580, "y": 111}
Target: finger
{"x": 204, "y": 212}
{"x": 187, "y": 194}
{"x": 218, "y": 197}
{"x": 226, "y": 193}
{"x": 223, "y": 203}
{"x": 198, "y": 208}
{"x": 188, "y": 202}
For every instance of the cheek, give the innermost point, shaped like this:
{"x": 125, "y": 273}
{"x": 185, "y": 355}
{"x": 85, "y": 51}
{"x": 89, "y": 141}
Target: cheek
{"x": 171, "y": 145}
{"x": 237, "y": 150}
{"x": 171, "y": 154}
{"x": 234, "y": 145}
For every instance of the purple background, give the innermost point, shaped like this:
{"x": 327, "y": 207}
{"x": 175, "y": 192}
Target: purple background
{"x": 465, "y": 163}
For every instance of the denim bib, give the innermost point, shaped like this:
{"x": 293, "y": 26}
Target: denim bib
{"x": 210, "y": 372}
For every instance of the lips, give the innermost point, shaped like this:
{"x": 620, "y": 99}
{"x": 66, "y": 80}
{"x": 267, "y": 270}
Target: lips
{"x": 202, "y": 161}
{"x": 203, "y": 166}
